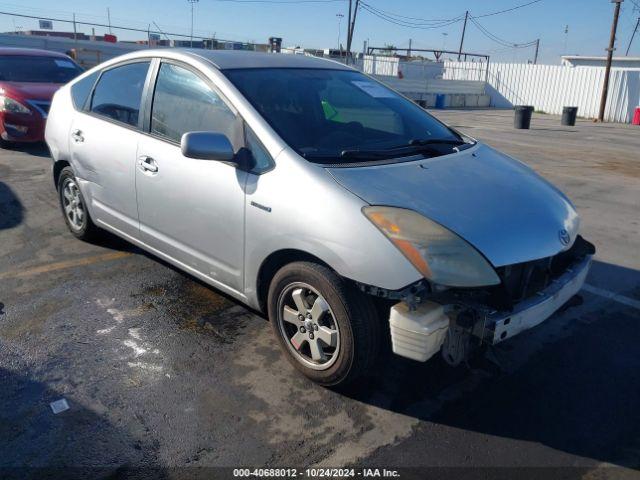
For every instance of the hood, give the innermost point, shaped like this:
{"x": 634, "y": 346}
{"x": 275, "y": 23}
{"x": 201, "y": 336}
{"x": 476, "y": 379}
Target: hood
{"x": 31, "y": 90}
{"x": 497, "y": 204}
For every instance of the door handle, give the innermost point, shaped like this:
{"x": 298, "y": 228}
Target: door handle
{"x": 147, "y": 164}
{"x": 77, "y": 137}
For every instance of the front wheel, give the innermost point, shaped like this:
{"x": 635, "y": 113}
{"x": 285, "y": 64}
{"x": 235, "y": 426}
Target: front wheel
{"x": 328, "y": 329}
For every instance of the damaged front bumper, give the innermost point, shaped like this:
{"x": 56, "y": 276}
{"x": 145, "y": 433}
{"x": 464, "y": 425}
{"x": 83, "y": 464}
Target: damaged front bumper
{"x": 451, "y": 321}
{"x": 531, "y": 312}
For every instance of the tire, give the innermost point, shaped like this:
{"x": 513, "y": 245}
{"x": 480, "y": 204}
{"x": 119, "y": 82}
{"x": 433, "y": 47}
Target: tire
{"x": 5, "y": 145}
{"x": 73, "y": 207}
{"x": 349, "y": 317}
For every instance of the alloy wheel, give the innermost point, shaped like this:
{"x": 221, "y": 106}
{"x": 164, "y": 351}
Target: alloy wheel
{"x": 308, "y": 326}
{"x": 72, "y": 204}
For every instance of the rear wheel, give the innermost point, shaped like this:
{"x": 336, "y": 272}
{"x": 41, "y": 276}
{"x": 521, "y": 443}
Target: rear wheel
{"x": 328, "y": 329}
{"x": 73, "y": 206}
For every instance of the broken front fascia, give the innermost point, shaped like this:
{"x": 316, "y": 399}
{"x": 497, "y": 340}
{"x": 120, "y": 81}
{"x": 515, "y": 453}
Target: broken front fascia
{"x": 491, "y": 314}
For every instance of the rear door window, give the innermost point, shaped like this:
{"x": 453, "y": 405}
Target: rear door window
{"x": 81, "y": 89}
{"x": 183, "y": 102}
{"x": 118, "y": 94}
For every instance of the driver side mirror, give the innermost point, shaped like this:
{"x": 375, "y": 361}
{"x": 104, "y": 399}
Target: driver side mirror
{"x": 207, "y": 146}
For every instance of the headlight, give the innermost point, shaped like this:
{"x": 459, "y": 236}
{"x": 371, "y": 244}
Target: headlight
{"x": 439, "y": 254}
{"x": 8, "y": 104}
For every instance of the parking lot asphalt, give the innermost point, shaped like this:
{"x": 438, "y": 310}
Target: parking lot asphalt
{"x": 160, "y": 370}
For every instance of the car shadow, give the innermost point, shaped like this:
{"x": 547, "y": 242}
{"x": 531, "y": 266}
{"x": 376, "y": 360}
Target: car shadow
{"x": 11, "y": 209}
{"x": 38, "y": 149}
{"x": 111, "y": 241}
{"x": 578, "y": 393}
{"x": 76, "y": 443}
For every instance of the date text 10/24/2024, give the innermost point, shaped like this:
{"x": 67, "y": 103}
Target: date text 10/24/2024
{"x": 316, "y": 473}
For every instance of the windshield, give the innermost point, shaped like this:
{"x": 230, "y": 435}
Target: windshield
{"x": 327, "y": 114}
{"x": 28, "y": 68}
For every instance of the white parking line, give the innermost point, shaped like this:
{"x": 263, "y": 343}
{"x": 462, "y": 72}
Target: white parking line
{"x": 629, "y": 302}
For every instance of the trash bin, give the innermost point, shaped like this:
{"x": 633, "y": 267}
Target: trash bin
{"x": 569, "y": 115}
{"x": 636, "y": 116}
{"x": 523, "y": 116}
{"x": 440, "y": 98}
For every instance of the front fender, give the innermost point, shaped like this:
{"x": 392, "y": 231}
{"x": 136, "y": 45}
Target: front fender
{"x": 299, "y": 206}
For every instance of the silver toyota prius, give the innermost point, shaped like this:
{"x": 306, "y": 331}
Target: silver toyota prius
{"x": 315, "y": 194}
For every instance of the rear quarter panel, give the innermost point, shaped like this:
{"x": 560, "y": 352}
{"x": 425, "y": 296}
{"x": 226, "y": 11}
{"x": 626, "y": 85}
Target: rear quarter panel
{"x": 59, "y": 120}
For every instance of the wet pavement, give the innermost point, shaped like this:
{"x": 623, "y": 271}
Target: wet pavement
{"x": 160, "y": 370}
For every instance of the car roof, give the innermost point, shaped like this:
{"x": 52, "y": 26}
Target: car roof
{"x": 33, "y": 52}
{"x": 230, "y": 59}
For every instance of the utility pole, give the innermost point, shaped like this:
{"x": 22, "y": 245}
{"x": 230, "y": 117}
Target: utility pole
{"x": 610, "y": 50}
{"x": 160, "y": 30}
{"x": 464, "y": 30}
{"x": 340, "y": 17}
{"x": 192, "y": 2}
{"x": 109, "y": 19}
{"x": 632, "y": 37}
{"x": 349, "y": 25}
{"x": 353, "y": 24}
{"x": 409, "y": 51}
{"x": 535, "y": 58}
{"x": 75, "y": 31}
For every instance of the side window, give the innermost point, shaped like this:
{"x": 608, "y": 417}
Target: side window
{"x": 261, "y": 158}
{"x": 183, "y": 102}
{"x": 118, "y": 94}
{"x": 81, "y": 89}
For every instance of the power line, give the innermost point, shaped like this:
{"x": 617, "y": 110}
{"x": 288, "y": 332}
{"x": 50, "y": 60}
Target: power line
{"x": 407, "y": 24}
{"x": 422, "y": 21}
{"x": 281, "y": 1}
{"x": 411, "y": 24}
{"x": 508, "y": 9}
{"x": 633, "y": 35}
{"x": 498, "y": 40}
{"x": 130, "y": 29}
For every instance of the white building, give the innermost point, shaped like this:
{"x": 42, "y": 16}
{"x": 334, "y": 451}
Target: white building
{"x": 586, "y": 61}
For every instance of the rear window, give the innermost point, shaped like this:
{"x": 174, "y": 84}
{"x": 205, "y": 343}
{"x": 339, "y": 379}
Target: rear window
{"x": 27, "y": 68}
{"x": 118, "y": 94}
{"x": 81, "y": 89}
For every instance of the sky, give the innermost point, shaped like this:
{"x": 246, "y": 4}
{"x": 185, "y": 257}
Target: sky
{"x": 316, "y": 24}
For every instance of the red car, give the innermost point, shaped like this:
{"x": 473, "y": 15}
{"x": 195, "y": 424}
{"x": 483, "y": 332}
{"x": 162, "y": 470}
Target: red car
{"x": 28, "y": 80}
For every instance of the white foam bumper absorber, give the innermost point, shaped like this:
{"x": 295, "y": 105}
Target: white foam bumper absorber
{"x": 418, "y": 334}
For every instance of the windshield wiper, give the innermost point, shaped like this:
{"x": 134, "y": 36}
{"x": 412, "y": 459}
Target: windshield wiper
{"x": 413, "y": 147}
{"x": 420, "y": 142}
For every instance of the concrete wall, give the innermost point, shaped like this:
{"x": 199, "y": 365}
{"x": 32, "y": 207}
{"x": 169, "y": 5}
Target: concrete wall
{"x": 550, "y": 88}
{"x": 423, "y": 81}
{"x": 89, "y": 53}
